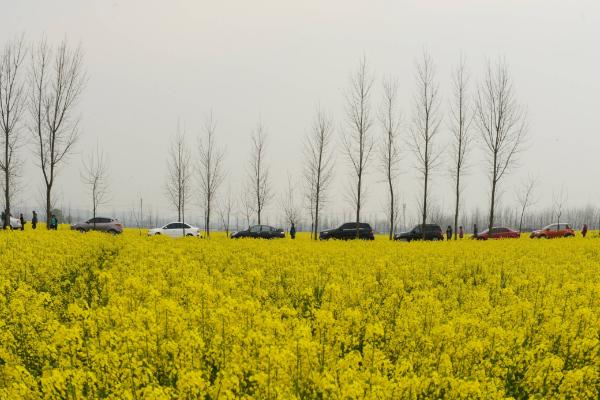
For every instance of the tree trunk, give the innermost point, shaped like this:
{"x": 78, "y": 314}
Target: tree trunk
{"x": 207, "y": 222}
{"x": 358, "y": 204}
{"x": 493, "y": 199}
{"x": 457, "y": 205}
{"x": 425, "y": 202}
{"x": 48, "y": 205}
{"x": 392, "y": 216}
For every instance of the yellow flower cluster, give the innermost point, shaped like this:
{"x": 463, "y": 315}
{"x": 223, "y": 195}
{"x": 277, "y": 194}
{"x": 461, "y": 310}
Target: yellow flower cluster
{"x": 131, "y": 317}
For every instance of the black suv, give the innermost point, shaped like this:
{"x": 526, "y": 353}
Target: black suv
{"x": 432, "y": 232}
{"x": 259, "y": 232}
{"x": 348, "y": 231}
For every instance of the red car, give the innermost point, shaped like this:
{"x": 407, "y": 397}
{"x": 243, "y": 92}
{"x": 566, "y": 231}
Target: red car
{"x": 553, "y": 231}
{"x": 498, "y": 233}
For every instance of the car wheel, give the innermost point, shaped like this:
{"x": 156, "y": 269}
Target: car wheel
{"x": 112, "y": 232}
{"x": 81, "y": 230}
{"x": 189, "y": 235}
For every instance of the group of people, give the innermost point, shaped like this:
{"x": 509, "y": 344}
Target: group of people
{"x": 461, "y": 232}
{"x": 53, "y": 224}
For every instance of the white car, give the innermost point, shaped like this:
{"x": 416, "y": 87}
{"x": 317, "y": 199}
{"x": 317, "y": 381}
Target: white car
{"x": 175, "y": 229}
{"x": 15, "y": 223}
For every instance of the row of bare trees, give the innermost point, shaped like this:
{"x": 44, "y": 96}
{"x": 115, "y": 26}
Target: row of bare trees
{"x": 490, "y": 109}
{"x": 40, "y": 86}
{"x": 209, "y": 171}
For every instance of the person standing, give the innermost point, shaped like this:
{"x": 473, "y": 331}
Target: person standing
{"x": 475, "y": 233}
{"x": 293, "y": 231}
{"x": 53, "y": 222}
{"x": 461, "y": 232}
{"x": 449, "y": 233}
{"x": 34, "y": 220}
{"x": 584, "y": 230}
{"x": 22, "y": 219}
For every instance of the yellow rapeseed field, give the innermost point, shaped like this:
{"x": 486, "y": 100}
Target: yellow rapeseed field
{"x": 132, "y": 317}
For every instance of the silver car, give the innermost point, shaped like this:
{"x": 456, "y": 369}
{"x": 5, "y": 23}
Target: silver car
{"x": 101, "y": 224}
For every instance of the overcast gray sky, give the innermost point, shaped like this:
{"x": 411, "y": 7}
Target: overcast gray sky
{"x": 151, "y": 63}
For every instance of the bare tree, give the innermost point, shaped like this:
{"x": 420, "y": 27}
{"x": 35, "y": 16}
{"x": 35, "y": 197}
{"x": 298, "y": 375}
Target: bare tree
{"x": 95, "y": 176}
{"x": 210, "y": 169}
{"x": 289, "y": 203}
{"x": 461, "y": 119}
{"x": 247, "y": 207}
{"x": 179, "y": 179}
{"x": 137, "y": 214}
{"x": 425, "y": 126}
{"x": 56, "y": 80}
{"x": 259, "y": 186}
{"x": 318, "y": 171}
{"x": 225, "y": 212}
{"x": 502, "y": 124}
{"x": 390, "y": 150}
{"x": 559, "y": 199}
{"x": 526, "y": 198}
{"x": 12, "y": 103}
{"x": 357, "y": 139}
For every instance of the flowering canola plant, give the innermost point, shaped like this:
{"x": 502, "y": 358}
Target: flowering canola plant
{"x": 136, "y": 317}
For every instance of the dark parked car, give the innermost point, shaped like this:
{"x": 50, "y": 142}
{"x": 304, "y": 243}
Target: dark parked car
{"x": 110, "y": 225}
{"x": 498, "y": 233}
{"x": 432, "y": 232}
{"x": 259, "y": 232}
{"x": 349, "y": 231}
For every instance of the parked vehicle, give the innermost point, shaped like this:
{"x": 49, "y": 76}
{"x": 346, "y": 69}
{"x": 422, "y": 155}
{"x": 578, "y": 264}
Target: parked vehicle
{"x": 259, "y": 232}
{"x": 498, "y": 233}
{"x": 15, "y": 223}
{"x": 175, "y": 229}
{"x": 553, "y": 231}
{"x": 347, "y": 231}
{"x": 432, "y": 232}
{"x": 101, "y": 224}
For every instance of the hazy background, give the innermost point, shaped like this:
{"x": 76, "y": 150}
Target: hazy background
{"x": 151, "y": 63}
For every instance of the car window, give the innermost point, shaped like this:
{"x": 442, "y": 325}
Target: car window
{"x": 255, "y": 229}
{"x": 417, "y": 229}
{"x": 348, "y": 226}
{"x": 274, "y": 230}
{"x": 172, "y": 225}
{"x": 186, "y": 226}
{"x": 567, "y": 226}
{"x": 104, "y": 220}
